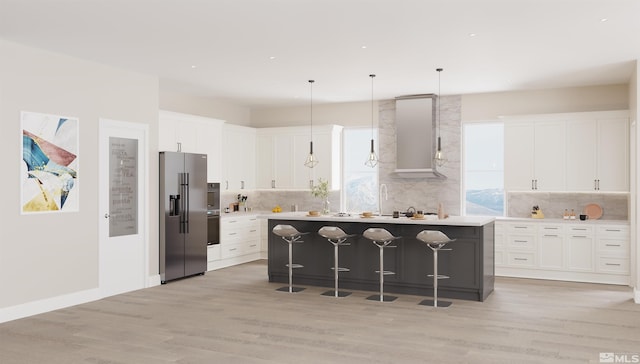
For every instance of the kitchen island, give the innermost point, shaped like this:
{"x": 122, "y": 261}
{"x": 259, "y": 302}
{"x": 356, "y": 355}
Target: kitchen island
{"x": 469, "y": 264}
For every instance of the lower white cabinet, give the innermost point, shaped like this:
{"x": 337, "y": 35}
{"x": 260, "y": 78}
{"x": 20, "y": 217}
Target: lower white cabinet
{"x": 574, "y": 251}
{"x": 240, "y": 241}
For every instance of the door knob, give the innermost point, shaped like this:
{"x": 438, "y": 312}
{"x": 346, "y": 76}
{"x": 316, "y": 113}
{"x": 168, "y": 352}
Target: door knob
{"x": 106, "y": 215}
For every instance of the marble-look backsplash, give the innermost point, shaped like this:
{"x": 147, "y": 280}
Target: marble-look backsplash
{"x": 615, "y": 206}
{"x": 265, "y": 200}
{"x": 423, "y": 194}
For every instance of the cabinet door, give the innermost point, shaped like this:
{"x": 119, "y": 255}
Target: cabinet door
{"x": 549, "y": 158}
{"x": 580, "y": 252}
{"x": 613, "y": 154}
{"x": 265, "y": 161}
{"x": 283, "y": 161}
{"x": 581, "y": 155}
{"x": 518, "y": 156}
{"x": 167, "y": 134}
{"x": 551, "y": 253}
{"x": 303, "y": 175}
{"x": 210, "y": 143}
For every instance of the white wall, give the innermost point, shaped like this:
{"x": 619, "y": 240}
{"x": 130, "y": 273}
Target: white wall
{"x": 43, "y": 256}
{"x": 345, "y": 114}
{"x": 634, "y": 113}
{"x": 194, "y": 105}
{"x": 489, "y": 106}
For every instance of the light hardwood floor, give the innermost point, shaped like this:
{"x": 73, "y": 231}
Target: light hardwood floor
{"x": 234, "y": 315}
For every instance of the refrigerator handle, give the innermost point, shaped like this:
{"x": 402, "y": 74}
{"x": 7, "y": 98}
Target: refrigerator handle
{"x": 186, "y": 202}
{"x": 181, "y": 181}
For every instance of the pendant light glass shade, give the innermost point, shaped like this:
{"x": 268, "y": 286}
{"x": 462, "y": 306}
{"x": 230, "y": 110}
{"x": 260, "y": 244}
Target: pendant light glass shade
{"x": 372, "y": 161}
{"x": 439, "y": 158}
{"x": 311, "y": 160}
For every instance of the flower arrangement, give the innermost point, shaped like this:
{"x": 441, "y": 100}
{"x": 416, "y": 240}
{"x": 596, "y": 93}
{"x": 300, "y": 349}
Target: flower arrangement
{"x": 321, "y": 190}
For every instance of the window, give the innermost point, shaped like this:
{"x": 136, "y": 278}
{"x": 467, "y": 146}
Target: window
{"x": 483, "y": 169}
{"x": 359, "y": 182}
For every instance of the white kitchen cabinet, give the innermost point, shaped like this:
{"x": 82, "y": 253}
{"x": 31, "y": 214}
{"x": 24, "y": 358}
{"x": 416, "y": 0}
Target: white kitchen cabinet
{"x": 551, "y": 246}
{"x": 281, "y": 153}
{"x": 567, "y": 152}
{"x": 597, "y": 153}
{"x": 613, "y": 154}
{"x": 612, "y": 249}
{"x": 239, "y": 160}
{"x": 240, "y": 241}
{"x": 580, "y": 242}
{"x": 192, "y": 134}
{"x": 521, "y": 247}
{"x": 534, "y": 155}
{"x": 563, "y": 250}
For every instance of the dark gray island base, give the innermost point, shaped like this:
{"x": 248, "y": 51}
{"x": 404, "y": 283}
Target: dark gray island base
{"x": 470, "y": 263}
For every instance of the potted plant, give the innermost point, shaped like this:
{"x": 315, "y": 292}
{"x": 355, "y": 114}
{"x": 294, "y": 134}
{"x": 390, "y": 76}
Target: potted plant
{"x": 321, "y": 190}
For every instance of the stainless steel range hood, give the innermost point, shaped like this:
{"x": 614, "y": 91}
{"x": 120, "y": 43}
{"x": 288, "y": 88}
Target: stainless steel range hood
{"x": 416, "y": 137}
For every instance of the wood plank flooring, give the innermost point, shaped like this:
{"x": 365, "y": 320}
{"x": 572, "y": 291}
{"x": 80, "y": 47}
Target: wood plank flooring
{"x": 234, "y": 315}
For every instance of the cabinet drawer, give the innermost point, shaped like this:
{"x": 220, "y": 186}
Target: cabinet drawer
{"x": 551, "y": 230}
{"x": 525, "y": 242}
{"x": 521, "y": 228}
{"x": 582, "y": 230}
{"x": 252, "y": 246}
{"x": 621, "y": 232}
{"x": 613, "y": 265}
{"x": 613, "y": 247}
{"x": 213, "y": 252}
{"x": 522, "y": 259}
{"x": 231, "y": 250}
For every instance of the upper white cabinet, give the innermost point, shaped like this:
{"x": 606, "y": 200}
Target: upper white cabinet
{"x": 534, "y": 155}
{"x": 192, "y": 134}
{"x": 598, "y": 152}
{"x": 281, "y": 152}
{"x": 239, "y": 160}
{"x": 567, "y": 152}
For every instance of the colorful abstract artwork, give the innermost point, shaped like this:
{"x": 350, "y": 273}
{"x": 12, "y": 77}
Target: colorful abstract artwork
{"x": 49, "y": 163}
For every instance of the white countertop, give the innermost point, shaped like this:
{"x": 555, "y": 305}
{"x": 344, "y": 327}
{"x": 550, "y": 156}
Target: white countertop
{"x": 452, "y": 220}
{"x": 562, "y": 221}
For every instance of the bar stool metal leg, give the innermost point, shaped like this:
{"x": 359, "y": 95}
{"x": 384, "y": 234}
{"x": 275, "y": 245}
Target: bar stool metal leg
{"x": 435, "y": 240}
{"x": 290, "y": 235}
{"x": 381, "y": 238}
{"x": 337, "y": 237}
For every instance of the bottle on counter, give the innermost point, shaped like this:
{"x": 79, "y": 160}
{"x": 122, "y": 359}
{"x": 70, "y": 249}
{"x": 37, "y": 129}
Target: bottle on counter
{"x": 440, "y": 211}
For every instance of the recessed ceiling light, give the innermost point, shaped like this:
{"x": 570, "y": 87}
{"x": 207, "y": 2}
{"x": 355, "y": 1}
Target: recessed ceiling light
{"x": 472, "y": 34}
{"x": 193, "y": 66}
{"x": 604, "y": 20}
{"x": 272, "y": 57}
{"x": 364, "y": 47}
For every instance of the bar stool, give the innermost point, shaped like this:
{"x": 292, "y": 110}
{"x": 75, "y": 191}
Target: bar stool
{"x": 381, "y": 238}
{"x": 337, "y": 237}
{"x": 291, "y": 235}
{"x": 435, "y": 240}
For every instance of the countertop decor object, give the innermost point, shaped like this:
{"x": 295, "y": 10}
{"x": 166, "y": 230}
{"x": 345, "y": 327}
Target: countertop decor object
{"x": 593, "y": 211}
{"x": 321, "y": 190}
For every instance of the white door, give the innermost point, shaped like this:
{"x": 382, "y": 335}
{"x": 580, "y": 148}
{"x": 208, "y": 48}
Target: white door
{"x": 123, "y": 247}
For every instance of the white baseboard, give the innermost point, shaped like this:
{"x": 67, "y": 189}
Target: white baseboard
{"x": 48, "y": 304}
{"x": 153, "y": 281}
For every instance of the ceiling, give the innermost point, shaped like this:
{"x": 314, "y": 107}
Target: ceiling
{"x": 261, "y": 53}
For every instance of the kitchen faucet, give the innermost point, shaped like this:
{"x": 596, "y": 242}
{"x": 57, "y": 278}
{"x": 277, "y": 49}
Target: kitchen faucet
{"x": 386, "y": 196}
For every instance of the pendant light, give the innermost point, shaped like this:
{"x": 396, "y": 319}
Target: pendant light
{"x": 372, "y": 161}
{"x": 311, "y": 159}
{"x": 439, "y": 158}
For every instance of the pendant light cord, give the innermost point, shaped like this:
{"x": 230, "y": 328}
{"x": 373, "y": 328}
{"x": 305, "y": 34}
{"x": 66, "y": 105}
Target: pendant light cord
{"x": 439, "y": 73}
{"x": 372, "y": 76}
{"x": 311, "y": 108}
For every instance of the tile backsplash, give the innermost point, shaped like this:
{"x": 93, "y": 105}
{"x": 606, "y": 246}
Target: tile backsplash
{"x": 615, "y": 206}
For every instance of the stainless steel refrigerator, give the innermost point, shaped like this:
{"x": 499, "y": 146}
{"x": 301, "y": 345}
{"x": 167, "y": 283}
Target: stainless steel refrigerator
{"x": 183, "y": 215}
